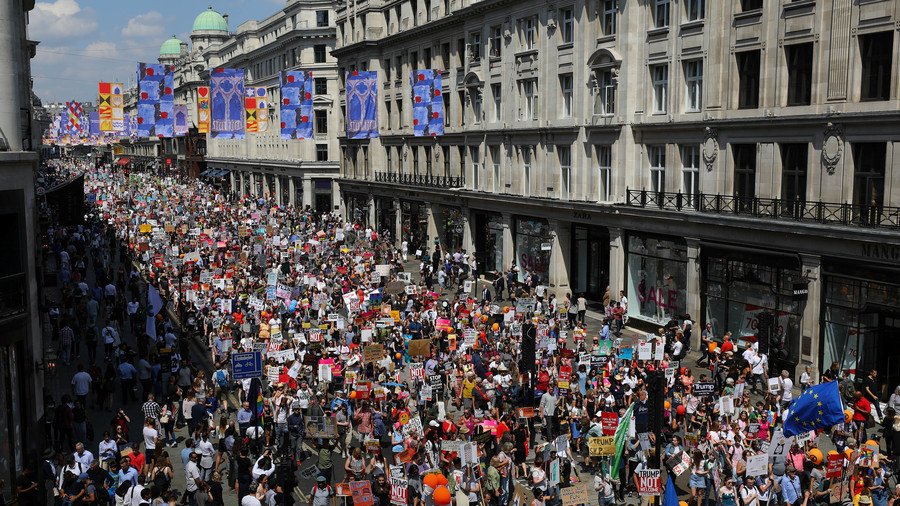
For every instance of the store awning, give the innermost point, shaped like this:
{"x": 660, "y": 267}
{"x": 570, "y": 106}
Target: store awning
{"x": 219, "y": 173}
{"x": 123, "y": 161}
{"x": 205, "y": 172}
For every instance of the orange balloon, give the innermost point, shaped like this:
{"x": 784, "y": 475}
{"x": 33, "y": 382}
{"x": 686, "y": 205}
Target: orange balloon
{"x": 848, "y": 453}
{"x": 667, "y": 405}
{"x": 712, "y": 347}
{"x": 872, "y": 442}
{"x": 483, "y": 318}
{"x": 399, "y": 356}
{"x": 832, "y": 452}
{"x": 815, "y": 456}
{"x": 431, "y": 480}
{"x": 505, "y": 309}
{"x": 441, "y": 496}
{"x": 442, "y": 480}
{"x": 495, "y": 327}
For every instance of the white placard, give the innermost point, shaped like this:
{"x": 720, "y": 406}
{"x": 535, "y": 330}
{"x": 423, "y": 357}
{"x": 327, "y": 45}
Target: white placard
{"x": 757, "y": 465}
{"x": 645, "y": 351}
{"x": 325, "y": 373}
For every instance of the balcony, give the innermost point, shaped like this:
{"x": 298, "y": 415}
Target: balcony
{"x": 423, "y": 180}
{"x": 857, "y": 215}
{"x": 13, "y": 296}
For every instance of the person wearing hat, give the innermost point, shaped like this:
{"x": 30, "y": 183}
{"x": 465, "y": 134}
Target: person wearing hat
{"x": 791, "y": 489}
{"x": 322, "y": 494}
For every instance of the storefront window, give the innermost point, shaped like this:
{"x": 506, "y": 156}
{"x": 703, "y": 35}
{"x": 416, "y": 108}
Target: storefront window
{"x": 531, "y": 256}
{"x": 453, "y": 229}
{"x": 414, "y": 224}
{"x": 657, "y": 276}
{"x": 489, "y": 241}
{"x": 738, "y": 292}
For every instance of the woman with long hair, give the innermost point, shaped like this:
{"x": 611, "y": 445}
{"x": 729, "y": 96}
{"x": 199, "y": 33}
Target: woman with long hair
{"x": 697, "y": 481}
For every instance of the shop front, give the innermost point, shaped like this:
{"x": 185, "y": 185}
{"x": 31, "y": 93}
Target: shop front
{"x": 452, "y": 228}
{"x": 657, "y": 277}
{"x": 488, "y": 234}
{"x": 751, "y": 294}
{"x": 861, "y": 327}
{"x": 590, "y": 261}
{"x": 533, "y": 242}
{"x": 322, "y": 195}
{"x": 357, "y": 206}
{"x": 414, "y": 224}
{"x": 385, "y": 214}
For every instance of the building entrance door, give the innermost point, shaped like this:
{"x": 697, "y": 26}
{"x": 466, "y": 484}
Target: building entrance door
{"x": 590, "y": 262}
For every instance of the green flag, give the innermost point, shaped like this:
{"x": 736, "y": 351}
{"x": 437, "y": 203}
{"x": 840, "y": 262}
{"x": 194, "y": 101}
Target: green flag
{"x": 620, "y": 438}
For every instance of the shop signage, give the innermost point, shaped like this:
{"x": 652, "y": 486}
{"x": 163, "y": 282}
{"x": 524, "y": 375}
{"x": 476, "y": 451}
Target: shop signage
{"x": 800, "y": 291}
{"x": 880, "y": 251}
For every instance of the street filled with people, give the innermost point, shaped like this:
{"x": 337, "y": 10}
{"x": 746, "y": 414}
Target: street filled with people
{"x": 243, "y": 352}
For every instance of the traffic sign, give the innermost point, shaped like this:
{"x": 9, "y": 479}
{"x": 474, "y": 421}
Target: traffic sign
{"x": 246, "y": 365}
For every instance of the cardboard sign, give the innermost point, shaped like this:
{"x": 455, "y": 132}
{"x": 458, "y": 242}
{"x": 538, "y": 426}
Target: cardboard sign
{"x": 574, "y": 495}
{"x": 602, "y": 446}
{"x": 525, "y": 412}
{"x": 406, "y": 455}
{"x": 420, "y": 348}
{"x": 648, "y": 482}
{"x": 373, "y": 353}
{"x": 361, "y": 491}
{"x": 757, "y": 465}
{"x": 399, "y": 491}
{"x": 609, "y": 421}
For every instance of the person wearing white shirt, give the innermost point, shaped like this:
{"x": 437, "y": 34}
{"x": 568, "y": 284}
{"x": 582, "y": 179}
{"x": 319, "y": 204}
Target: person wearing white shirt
{"x": 759, "y": 363}
{"x": 192, "y": 475}
{"x": 787, "y": 389}
{"x": 82, "y": 456}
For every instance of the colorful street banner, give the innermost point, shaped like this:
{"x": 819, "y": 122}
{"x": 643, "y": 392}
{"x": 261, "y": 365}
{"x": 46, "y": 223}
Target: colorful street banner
{"x": 130, "y": 124}
{"x": 428, "y": 103}
{"x": 256, "y": 104}
{"x": 296, "y": 104}
{"x": 226, "y": 89}
{"x": 362, "y": 104}
{"x": 111, "y": 106}
{"x": 94, "y": 126}
{"x": 76, "y": 121}
{"x": 181, "y": 119}
{"x": 155, "y": 100}
{"x": 203, "y": 109}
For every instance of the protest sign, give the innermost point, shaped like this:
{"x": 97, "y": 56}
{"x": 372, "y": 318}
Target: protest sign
{"x": 399, "y": 491}
{"x": 648, "y": 482}
{"x": 609, "y": 422}
{"x": 373, "y": 353}
{"x": 361, "y": 491}
{"x": 420, "y": 348}
{"x": 321, "y": 427}
{"x": 602, "y": 446}
{"x": 835, "y": 466}
{"x": 574, "y": 495}
{"x": 757, "y": 465}
{"x": 704, "y": 388}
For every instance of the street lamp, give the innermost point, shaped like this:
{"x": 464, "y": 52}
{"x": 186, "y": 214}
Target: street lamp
{"x": 50, "y": 363}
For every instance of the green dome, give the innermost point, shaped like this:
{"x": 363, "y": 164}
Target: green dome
{"x": 171, "y": 47}
{"x": 210, "y": 20}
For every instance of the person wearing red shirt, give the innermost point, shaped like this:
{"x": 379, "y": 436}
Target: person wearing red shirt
{"x": 862, "y": 410}
{"x": 727, "y": 345}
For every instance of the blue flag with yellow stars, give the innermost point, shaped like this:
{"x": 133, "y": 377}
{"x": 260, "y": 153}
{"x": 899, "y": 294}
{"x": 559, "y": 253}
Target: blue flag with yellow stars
{"x": 817, "y": 407}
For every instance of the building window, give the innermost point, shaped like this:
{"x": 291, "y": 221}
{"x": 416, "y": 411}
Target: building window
{"x": 793, "y": 178}
{"x": 604, "y": 161}
{"x": 800, "y": 68}
{"x": 321, "y": 19}
{"x": 321, "y": 121}
{"x": 321, "y": 84}
{"x": 748, "y": 77}
{"x": 657, "y": 168}
{"x": 529, "y": 32}
{"x": 475, "y": 47}
{"x": 426, "y": 58}
{"x": 751, "y": 5}
{"x": 526, "y": 171}
{"x": 446, "y": 156}
{"x": 389, "y": 110}
{"x": 445, "y": 55}
{"x": 528, "y": 99}
{"x": 610, "y": 13}
{"x": 567, "y": 25}
{"x": 565, "y": 87}
{"x": 868, "y": 179}
{"x": 389, "y": 158}
{"x": 428, "y": 156}
{"x": 690, "y": 174}
{"x": 415, "y": 158}
{"x": 744, "y": 173}
{"x": 319, "y": 53}
{"x": 605, "y": 94}
{"x": 661, "y": 14}
{"x": 476, "y": 167}
{"x": 401, "y": 121}
{"x": 496, "y": 41}
{"x": 414, "y": 60}
{"x": 875, "y": 52}
{"x": 495, "y": 162}
{"x": 475, "y": 99}
{"x": 414, "y": 7}
{"x": 565, "y": 171}
{"x": 695, "y": 9}
{"x": 461, "y": 52}
{"x": 496, "y": 94}
{"x": 660, "y": 76}
{"x": 693, "y": 80}
{"x": 321, "y": 152}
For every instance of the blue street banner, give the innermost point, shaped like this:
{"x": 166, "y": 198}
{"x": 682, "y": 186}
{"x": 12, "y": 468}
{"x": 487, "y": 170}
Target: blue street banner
{"x": 428, "y": 103}
{"x": 226, "y": 88}
{"x": 181, "y": 120}
{"x": 817, "y": 407}
{"x": 296, "y": 104}
{"x": 156, "y": 99}
{"x": 246, "y": 365}
{"x": 362, "y": 104}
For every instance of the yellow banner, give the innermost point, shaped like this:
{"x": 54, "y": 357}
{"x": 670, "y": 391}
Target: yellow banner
{"x": 203, "y": 109}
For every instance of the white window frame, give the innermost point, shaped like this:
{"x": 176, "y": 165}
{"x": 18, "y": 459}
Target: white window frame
{"x": 476, "y": 103}
{"x": 695, "y": 10}
{"x": 693, "y": 83}
{"x": 659, "y": 75}
{"x": 566, "y": 88}
{"x": 497, "y": 98}
{"x": 605, "y": 101}
{"x": 474, "y": 47}
{"x": 690, "y": 173}
{"x": 496, "y": 158}
{"x": 528, "y": 110}
{"x": 527, "y": 163}
{"x": 496, "y": 41}
{"x": 610, "y": 17}
{"x": 564, "y": 156}
{"x": 604, "y": 168}
{"x": 657, "y": 157}
{"x": 475, "y": 160}
{"x": 529, "y": 33}
{"x": 661, "y": 13}
{"x": 567, "y": 25}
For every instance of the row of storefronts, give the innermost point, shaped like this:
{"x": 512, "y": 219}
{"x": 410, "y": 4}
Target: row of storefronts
{"x": 805, "y": 307}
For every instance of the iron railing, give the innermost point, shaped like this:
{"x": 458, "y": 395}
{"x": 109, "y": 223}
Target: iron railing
{"x": 861, "y": 215}
{"x": 425, "y": 180}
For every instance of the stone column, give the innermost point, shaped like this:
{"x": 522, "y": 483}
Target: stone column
{"x": 307, "y": 191}
{"x": 560, "y": 251}
{"x": 370, "y": 212}
{"x": 617, "y": 264}
{"x": 468, "y": 243}
{"x": 508, "y": 253}
{"x": 243, "y": 190}
{"x": 810, "y": 327}
{"x": 278, "y": 198}
{"x": 292, "y": 189}
{"x": 692, "y": 289}
{"x": 398, "y": 223}
{"x": 432, "y": 234}
{"x": 231, "y": 181}
{"x": 253, "y": 188}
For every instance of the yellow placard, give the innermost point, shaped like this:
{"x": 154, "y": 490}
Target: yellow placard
{"x": 146, "y": 228}
{"x": 603, "y": 446}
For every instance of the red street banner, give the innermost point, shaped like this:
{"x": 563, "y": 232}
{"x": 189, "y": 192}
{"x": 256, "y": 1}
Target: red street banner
{"x": 835, "y": 466}
{"x": 647, "y": 482}
{"x": 609, "y": 422}
{"x": 399, "y": 489}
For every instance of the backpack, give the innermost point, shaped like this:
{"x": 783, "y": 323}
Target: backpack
{"x": 161, "y": 481}
{"x": 220, "y": 379}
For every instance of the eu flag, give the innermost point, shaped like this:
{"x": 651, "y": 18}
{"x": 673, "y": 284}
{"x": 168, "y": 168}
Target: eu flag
{"x": 817, "y": 407}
